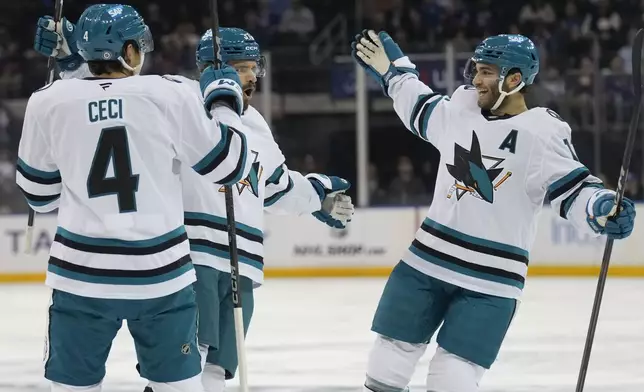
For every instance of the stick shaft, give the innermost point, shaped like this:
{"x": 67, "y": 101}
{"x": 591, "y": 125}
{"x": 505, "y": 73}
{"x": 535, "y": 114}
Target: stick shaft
{"x": 623, "y": 174}
{"x": 51, "y": 72}
{"x": 232, "y": 235}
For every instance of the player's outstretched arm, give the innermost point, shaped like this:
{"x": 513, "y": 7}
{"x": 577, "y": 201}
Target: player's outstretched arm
{"x": 290, "y": 193}
{"x": 59, "y": 41}
{"x": 37, "y": 175}
{"x": 424, "y": 112}
{"x": 213, "y": 148}
{"x": 578, "y": 196}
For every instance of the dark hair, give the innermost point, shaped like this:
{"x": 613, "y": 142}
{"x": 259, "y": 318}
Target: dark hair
{"x": 524, "y": 89}
{"x": 106, "y": 67}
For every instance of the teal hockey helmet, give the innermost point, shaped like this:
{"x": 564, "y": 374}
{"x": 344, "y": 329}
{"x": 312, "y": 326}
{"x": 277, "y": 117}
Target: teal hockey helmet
{"x": 103, "y": 30}
{"x": 507, "y": 52}
{"x": 235, "y": 44}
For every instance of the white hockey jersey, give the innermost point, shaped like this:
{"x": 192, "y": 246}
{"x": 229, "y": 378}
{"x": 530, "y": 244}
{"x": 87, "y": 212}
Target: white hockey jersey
{"x": 493, "y": 177}
{"x": 107, "y": 154}
{"x": 270, "y": 185}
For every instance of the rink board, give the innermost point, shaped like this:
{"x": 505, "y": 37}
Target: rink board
{"x": 374, "y": 242}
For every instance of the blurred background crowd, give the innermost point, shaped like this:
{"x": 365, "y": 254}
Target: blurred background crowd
{"x": 585, "y": 75}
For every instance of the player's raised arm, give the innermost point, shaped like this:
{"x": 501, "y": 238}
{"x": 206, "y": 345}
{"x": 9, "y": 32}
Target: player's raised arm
{"x": 59, "y": 41}
{"x": 226, "y": 163}
{"x": 578, "y": 196}
{"x": 424, "y": 112}
{"x": 37, "y": 174}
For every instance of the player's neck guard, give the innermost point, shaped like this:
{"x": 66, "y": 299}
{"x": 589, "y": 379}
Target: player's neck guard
{"x": 503, "y": 94}
{"x": 135, "y": 70}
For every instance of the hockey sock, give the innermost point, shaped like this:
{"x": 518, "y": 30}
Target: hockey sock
{"x": 213, "y": 378}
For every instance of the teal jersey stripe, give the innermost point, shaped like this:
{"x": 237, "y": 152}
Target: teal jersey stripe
{"x": 275, "y": 177}
{"x": 222, "y": 221}
{"x": 425, "y": 115}
{"x": 120, "y": 281}
{"x": 244, "y": 158}
{"x": 464, "y": 270}
{"x": 109, "y": 242}
{"x": 214, "y": 153}
{"x": 476, "y": 240}
{"x": 41, "y": 203}
{"x": 420, "y": 102}
{"x": 38, "y": 173}
{"x": 566, "y": 205}
{"x": 225, "y": 255}
{"x": 269, "y": 201}
{"x": 567, "y": 182}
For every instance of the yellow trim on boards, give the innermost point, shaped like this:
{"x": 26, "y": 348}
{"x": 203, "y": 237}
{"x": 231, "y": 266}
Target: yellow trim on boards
{"x": 626, "y": 271}
{"x": 537, "y": 270}
{"x": 22, "y": 277}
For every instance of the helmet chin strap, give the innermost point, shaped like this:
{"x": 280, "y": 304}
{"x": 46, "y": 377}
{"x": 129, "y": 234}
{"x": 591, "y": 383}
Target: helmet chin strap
{"x": 136, "y": 70}
{"x": 503, "y": 94}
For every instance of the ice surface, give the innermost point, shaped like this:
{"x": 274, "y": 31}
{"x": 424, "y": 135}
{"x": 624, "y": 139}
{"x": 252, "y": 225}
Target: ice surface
{"x": 313, "y": 335}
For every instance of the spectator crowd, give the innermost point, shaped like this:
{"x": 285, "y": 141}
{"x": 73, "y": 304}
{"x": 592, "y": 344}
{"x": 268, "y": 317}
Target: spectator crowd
{"x": 585, "y": 47}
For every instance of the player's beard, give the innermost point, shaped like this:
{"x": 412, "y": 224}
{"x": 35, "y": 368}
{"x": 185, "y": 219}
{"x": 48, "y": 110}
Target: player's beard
{"x": 487, "y": 100}
{"x": 250, "y": 87}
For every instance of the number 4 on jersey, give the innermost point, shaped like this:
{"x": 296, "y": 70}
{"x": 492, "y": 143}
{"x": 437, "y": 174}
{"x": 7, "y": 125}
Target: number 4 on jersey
{"x": 113, "y": 147}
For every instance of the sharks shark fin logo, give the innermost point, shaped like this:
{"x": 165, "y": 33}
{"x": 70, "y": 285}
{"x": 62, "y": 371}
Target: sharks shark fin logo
{"x": 475, "y": 173}
{"x": 252, "y": 181}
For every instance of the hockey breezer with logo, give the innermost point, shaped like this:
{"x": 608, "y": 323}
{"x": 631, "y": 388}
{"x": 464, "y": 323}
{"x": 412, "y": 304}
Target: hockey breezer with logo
{"x": 467, "y": 266}
{"x": 121, "y": 251}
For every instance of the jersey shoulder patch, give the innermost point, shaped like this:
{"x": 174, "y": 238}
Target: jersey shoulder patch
{"x": 171, "y": 78}
{"x": 550, "y": 123}
{"x": 550, "y": 117}
{"x": 45, "y": 87}
{"x": 465, "y": 95}
{"x": 464, "y": 89}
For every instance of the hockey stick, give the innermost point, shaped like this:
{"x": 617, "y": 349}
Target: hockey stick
{"x": 232, "y": 237}
{"x": 626, "y": 162}
{"x": 51, "y": 71}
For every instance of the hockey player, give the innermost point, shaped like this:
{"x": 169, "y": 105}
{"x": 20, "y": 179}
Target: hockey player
{"x": 466, "y": 267}
{"x": 107, "y": 151}
{"x": 270, "y": 186}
